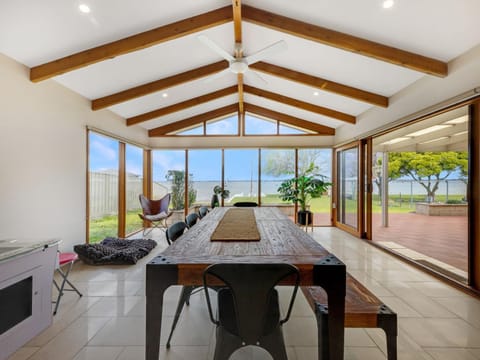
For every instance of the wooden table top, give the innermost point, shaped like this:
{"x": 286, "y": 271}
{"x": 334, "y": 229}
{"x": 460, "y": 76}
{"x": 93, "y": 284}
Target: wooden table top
{"x": 279, "y": 237}
{"x": 281, "y": 241}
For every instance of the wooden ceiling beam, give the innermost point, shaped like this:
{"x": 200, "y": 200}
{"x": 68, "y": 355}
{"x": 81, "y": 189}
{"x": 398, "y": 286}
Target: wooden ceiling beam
{"x": 132, "y": 43}
{"x": 181, "y": 105}
{"x": 237, "y": 27}
{"x": 158, "y": 85}
{"x": 321, "y": 84}
{"x": 194, "y": 120}
{"x": 237, "y": 20}
{"x": 345, "y": 41}
{"x": 291, "y": 120}
{"x": 300, "y": 104}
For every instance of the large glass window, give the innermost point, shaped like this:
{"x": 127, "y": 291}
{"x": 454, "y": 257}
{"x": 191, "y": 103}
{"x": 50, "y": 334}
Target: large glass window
{"x": 256, "y": 126}
{"x": 133, "y": 187}
{"x": 103, "y": 187}
{"x": 227, "y": 126}
{"x": 205, "y": 172}
{"x": 241, "y": 174}
{"x": 277, "y": 165}
{"x": 168, "y": 176}
{"x": 318, "y": 162}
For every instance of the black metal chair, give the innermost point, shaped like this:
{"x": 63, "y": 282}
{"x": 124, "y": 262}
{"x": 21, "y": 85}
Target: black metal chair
{"x": 175, "y": 231}
{"x": 191, "y": 219}
{"x": 155, "y": 213}
{"x": 202, "y": 212}
{"x": 248, "y": 308}
{"x": 245, "y": 204}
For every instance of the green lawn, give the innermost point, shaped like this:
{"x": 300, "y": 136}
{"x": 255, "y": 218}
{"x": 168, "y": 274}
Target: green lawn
{"x": 107, "y": 226}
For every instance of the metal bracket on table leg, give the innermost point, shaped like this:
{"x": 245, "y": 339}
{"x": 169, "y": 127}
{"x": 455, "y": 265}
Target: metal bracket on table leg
{"x": 387, "y": 320}
{"x": 330, "y": 274}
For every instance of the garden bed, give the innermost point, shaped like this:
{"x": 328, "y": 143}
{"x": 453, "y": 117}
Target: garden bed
{"x": 432, "y": 209}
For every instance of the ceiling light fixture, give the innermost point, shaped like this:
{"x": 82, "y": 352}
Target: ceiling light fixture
{"x": 84, "y": 8}
{"x": 164, "y": 95}
{"x": 387, "y": 4}
{"x": 238, "y": 66}
{"x": 316, "y": 93}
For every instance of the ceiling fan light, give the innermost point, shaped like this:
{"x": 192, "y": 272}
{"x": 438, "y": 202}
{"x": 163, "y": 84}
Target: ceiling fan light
{"x": 238, "y": 67}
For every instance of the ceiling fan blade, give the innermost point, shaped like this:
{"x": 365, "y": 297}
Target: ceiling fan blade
{"x": 253, "y": 74}
{"x": 212, "y": 45}
{"x": 266, "y": 52}
{"x": 217, "y": 75}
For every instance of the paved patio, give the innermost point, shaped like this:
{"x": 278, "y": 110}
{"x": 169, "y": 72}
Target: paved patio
{"x": 444, "y": 238}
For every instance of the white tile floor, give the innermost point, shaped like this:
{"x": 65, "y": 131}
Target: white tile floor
{"x": 108, "y": 322}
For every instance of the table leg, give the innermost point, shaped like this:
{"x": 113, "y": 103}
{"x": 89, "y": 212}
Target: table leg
{"x": 330, "y": 274}
{"x": 160, "y": 275}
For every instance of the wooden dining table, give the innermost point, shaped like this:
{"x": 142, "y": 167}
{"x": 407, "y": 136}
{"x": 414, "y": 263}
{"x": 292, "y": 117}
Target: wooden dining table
{"x": 281, "y": 241}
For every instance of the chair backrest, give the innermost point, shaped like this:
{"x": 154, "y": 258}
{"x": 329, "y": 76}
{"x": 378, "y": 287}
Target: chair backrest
{"x": 245, "y": 204}
{"x": 191, "y": 219}
{"x": 202, "y": 212}
{"x": 154, "y": 207}
{"x": 252, "y": 287}
{"x": 175, "y": 231}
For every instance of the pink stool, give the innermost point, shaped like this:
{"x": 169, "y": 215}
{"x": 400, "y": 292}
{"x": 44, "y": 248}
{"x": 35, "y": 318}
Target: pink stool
{"x": 64, "y": 259}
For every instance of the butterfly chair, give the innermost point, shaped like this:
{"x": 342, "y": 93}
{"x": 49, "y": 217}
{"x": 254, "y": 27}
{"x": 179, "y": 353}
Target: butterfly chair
{"x": 64, "y": 259}
{"x": 248, "y": 308}
{"x": 202, "y": 212}
{"x": 155, "y": 213}
{"x": 245, "y": 204}
{"x": 191, "y": 219}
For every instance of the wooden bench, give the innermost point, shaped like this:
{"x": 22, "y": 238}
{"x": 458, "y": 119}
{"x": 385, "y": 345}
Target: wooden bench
{"x": 362, "y": 310}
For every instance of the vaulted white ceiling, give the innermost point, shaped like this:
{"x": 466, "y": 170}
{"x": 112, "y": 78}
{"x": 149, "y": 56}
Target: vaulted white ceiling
{"x": 38, "y": 32}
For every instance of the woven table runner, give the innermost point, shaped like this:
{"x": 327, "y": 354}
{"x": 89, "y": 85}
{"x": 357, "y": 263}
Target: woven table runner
{"x": 237, "y": 225}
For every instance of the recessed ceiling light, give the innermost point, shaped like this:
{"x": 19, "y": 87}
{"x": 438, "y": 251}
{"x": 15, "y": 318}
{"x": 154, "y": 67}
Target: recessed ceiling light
{"x": 387, "y": 4}
{"x": 164, "y": 95}
{"x": 84, "y": 8}
{"x": 316, "y": 93}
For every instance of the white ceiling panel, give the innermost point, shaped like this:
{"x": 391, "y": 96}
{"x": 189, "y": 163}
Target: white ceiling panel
{"x": 442, "y": 29}
{"x": 306, "y": 93}
{"x": 292, "y": 111}
{"x": 175, "y": 95}
{"x": 187, "y": 113}
{"x": 34, "y": 32}
{"x": 330, "y": 63}
{"x": 140, "y": 67}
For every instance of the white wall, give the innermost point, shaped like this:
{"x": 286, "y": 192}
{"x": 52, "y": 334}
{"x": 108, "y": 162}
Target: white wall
{"x": 43, "y": 156}
{"x": 464, "y": 75}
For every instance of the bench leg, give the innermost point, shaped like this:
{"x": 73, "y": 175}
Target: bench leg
{"x": 387, "y": 320}
{"x": 321, "y": 313}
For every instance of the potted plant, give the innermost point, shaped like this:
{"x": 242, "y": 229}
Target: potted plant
{"x": 302, "y": 190}
{"x": 218, "y": 192}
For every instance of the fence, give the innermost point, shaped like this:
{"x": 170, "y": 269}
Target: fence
{"x": 104, "y": 193}
{"x": 410, "y": 191}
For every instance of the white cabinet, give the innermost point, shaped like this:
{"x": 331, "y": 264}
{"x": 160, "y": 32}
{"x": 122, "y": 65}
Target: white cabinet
{"x": 25, "y": 296}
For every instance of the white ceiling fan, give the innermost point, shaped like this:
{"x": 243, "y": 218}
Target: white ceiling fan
{"x": 239, "y": 64}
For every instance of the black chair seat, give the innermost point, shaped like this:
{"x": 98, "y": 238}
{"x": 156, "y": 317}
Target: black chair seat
{"x": 245, "y": 204}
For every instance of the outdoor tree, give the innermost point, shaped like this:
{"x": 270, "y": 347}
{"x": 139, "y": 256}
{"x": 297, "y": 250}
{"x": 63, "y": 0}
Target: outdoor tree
{"x": 427, "y": 168}
{"x": 282, "y": 162}
{"x": 177, "y": 177}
